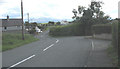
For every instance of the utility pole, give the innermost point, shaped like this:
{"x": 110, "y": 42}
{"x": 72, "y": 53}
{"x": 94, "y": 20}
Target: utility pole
{"x": 28, "y": 17}
{"x": 28, "y": 21}
{"x": 22, "y": 20}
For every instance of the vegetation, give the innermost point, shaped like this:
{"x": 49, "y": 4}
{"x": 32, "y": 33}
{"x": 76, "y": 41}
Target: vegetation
{"x": 51, "y": 23}
{"x": 84, "y": 18}
{"x": 115, "y": 34}
{"x": 90, "y": 16}
{"x": 10, "y": 40}
{"x": 67, "y": 30}
{"x": 119, "y": 41}
{"x": 102, "y": 28}
{"x": 114, "y": 47}
{"x": 31, "y": 26}
{"x": 32, "y": 31}
{"x": 113, "y": 54}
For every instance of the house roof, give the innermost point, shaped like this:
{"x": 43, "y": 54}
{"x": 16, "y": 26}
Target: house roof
{"x": 11, "y": 22}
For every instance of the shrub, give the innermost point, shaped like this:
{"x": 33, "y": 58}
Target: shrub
{"x": 32, "y": 31}
{"x": 67, "y": 30}
{"x": 102, "y": 28}
{"x": 115, "y": 34}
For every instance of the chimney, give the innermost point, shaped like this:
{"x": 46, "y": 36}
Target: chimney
{"x": 7, "y": 18}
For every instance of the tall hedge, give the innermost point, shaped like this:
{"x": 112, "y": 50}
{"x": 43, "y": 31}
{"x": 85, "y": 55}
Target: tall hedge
{"x": 75, "y": 29}
{"x": 115, "y": 34}
{"x": 102, "y": 28}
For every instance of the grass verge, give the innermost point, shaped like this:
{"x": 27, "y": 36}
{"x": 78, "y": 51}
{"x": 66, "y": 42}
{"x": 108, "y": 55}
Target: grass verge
{"x": 113, "y": 54}
{"x": 10, "y": 41}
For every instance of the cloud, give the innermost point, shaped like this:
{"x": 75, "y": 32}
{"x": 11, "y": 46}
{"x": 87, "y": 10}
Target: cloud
{"x": 59, "y": 9}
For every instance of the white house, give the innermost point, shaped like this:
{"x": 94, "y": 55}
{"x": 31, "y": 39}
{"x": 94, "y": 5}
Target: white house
{"x": 38, "y": 30}
{"x": 64, "y": 22}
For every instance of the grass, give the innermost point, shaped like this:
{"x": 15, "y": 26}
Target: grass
{"x": 113, "y": 54}
{"x": 10, "y": 41}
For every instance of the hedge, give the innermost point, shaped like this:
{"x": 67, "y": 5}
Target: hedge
{"x": 75, "y": 29}
{"x": 102, "y": 28}
{"x": 115, "y": 34}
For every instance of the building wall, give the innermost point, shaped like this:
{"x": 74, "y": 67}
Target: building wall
{"x": 11, "y": 22}
{"x": 12, "y": 28}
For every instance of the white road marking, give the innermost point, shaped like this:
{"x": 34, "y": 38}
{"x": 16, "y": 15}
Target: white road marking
{"x": 32, "y": 55}
{"x": 21, "y": 61}
{"x": 57, "y": 41}
{"x": 93, "y": 46}
{"x": 48, "y": 47}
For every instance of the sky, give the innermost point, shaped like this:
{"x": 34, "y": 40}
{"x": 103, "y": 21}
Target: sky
{"x": 53, "y": 9}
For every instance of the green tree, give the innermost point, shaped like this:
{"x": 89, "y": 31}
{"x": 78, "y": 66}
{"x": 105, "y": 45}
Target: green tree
{"x": 81, "y": 9}
{"x": 75, "y": 13}
{"x": 96, "y": 6}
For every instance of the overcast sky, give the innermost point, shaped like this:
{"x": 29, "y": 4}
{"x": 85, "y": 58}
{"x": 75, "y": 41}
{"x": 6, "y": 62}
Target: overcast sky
{"x": 58, "y": 9}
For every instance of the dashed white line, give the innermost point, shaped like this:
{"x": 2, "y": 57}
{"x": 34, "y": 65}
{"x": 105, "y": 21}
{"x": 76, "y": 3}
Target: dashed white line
{"x": 93, "y": 46}
{"x": 57, "y": 41}
{"x": 21, "y": 61}
{"x": 48, "y": 47}
{"x": 32, "y": 55}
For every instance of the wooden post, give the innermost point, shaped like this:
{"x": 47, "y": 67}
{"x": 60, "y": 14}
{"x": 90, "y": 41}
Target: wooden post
{"x": 22, "y": 20}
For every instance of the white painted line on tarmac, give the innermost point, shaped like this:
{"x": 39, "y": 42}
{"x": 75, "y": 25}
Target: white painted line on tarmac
{"x": 48, "y": 47}
{"x": 57, "y": 41}
{"x": 93, "y": 46}
{"x": 21, "y": 61}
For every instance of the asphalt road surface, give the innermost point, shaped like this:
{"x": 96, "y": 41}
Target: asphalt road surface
{"x": 73, "y": 51}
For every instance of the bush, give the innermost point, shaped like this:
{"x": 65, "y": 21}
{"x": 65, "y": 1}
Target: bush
{"x": 32, "y": 31}
{"x": 102, "y": 28}
{"x": 115, "y": 34}
{"x": 67, "y": 30}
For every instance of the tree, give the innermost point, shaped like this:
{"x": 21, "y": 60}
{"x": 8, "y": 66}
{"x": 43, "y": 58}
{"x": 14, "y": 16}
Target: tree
{"x": 101, "y": 14}
{"x": 81, "y": 9}
{"x": 51, "y": 23}
{"x": 58, "y": 23}
{"x": 89, "y": 16}
{"x": 75, "y": 13}
{"x": 88, "y": 13}
{"x": 27, "y": 25}
{"x": 95, "y": 7}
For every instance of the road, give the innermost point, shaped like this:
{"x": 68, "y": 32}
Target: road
{"x": 74, "y": 51}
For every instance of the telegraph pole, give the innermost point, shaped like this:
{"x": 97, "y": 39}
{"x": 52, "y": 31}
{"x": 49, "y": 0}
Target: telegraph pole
{"x": 28, "y": 17}
{"x": 22, "y": 20}
{"x": 28, "y": 20}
